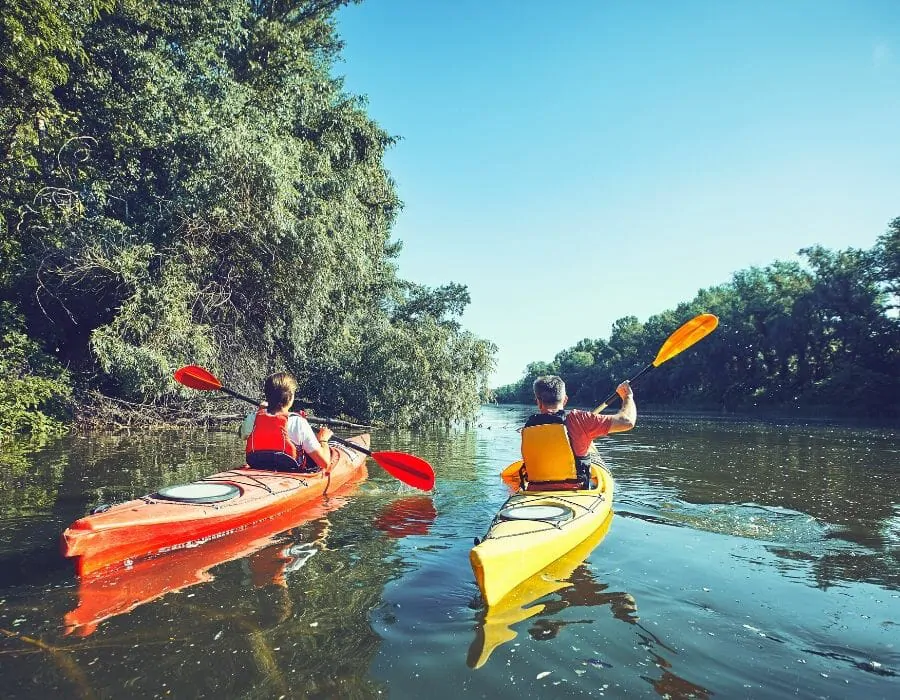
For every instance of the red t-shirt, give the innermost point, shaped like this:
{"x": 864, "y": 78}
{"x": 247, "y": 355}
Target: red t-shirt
{"x": 583, "y": 427}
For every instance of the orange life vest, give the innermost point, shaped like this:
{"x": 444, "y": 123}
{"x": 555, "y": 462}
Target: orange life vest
{"x": 268, "y": 445}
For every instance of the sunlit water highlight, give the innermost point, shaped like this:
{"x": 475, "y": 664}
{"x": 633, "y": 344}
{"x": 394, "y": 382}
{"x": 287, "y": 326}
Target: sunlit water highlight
{"x": 743, "y": 560}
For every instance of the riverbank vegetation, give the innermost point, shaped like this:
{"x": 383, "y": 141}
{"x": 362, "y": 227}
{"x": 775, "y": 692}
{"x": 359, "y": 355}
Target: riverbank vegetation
{"x": 817, "y": 336}
{"x": 186, "y": 182}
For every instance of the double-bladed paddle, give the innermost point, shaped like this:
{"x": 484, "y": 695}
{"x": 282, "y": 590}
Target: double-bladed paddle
{"x": 408, "y": 468}
{"x": 197, "y": 377}
{"x": 689, "y": 333}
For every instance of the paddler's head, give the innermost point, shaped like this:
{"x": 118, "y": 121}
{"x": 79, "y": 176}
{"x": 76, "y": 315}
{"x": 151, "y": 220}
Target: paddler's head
{"x": 550, "y": 393}
{"x": 279, "y": 390}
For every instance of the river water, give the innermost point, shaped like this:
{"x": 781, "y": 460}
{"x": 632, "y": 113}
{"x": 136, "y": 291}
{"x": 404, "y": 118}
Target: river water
{"x": 744, "y": 560}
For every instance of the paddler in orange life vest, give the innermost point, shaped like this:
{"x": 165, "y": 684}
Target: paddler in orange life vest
{"x": 556, "y": 443}
{"x": 279, "y": 439}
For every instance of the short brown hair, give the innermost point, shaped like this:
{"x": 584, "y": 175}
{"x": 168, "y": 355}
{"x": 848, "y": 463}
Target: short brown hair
{"x": 549, "y": 389}
{"x": 279, "y": 390}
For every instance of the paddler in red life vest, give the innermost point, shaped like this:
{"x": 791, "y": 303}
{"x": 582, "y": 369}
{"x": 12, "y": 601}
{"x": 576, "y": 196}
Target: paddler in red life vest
{"x": 281, "y": 440}
{"x": 556, "y": 443}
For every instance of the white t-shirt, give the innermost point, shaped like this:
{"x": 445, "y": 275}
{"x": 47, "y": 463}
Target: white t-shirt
{"x": 299, "y": 431}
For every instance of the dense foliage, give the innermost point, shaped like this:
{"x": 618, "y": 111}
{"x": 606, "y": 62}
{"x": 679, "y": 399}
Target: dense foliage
{"x": 185, "y": 182}
{"x": 34, "y": 388}
{"x": 823, "y": 334}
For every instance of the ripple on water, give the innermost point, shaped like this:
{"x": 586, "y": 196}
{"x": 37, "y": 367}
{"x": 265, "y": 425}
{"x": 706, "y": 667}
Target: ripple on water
{"x": 747, "y": 520}
{"x": 891, "y": 528}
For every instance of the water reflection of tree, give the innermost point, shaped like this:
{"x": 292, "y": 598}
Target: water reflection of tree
{"x": 48, "y": 486}
{"x": 453, "y": 451}
{"x": 30, "y": 474}
{"x": 306, "y": 635}
{"x": 843, "y": 478}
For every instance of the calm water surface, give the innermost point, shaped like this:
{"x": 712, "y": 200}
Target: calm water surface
{"x": 743, "y": 560}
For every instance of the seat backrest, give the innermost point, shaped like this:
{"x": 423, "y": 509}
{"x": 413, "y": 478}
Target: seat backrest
{"x": 547, "y": 453}
{"x": 273, "y": 461}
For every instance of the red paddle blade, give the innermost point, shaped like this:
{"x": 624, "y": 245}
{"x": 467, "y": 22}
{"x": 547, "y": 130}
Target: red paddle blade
{"x": 409, "y": 469}
{"x": 196, "y": 377}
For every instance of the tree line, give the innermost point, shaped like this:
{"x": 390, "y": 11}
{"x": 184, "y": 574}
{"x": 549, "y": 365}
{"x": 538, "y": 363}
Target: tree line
{"x": 821, "y": 334}
{"x": 185, "y": 181}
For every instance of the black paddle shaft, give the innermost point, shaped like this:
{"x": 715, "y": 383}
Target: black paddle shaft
{"x": 612, "y": 396}
{"x": 232, "y": 392}
{"x": 351, "y": 445}
{"x": 311, "y": 419}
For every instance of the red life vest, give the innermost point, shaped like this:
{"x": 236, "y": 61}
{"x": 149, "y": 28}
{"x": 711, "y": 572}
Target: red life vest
{"x": 270, "y": 434}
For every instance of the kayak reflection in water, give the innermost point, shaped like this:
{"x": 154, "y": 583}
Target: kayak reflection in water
{"x": 270, "y": 550}
{"x": 557, "y": 444}
{"x": 566, "y": 584}
{"x": 567, "y": 577}
{"x": 281, "y": 440}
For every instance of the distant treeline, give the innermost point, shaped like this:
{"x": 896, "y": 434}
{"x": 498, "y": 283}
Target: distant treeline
{"x": 185, "y": 182}
{"x": 821, "y": 335}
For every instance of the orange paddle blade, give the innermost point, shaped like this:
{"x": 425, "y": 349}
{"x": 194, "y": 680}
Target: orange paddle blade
{"x": 696, "y": 329}
{"x": 196, "y": 377}
{"x": 512, "y": 470}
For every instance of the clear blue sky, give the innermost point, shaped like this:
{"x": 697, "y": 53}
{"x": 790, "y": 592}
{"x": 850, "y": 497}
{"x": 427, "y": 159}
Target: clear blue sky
{"x": 576, "y": 162}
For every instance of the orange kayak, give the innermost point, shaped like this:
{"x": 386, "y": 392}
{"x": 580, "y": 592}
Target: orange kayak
{"x": 188, "y": 514}
{"x": 267, "y": 545}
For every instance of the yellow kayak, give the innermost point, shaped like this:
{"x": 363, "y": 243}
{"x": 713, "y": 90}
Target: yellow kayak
{"x": 499, "y": 622}
{"x": 535, "y": 528}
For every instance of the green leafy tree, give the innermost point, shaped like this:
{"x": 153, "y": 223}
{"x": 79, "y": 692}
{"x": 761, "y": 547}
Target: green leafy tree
{"x": 821, "y": 333}
{"x": 204, "y": 190}
{"x": 34, "y": 389}
{"x": 887, "y": 255}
